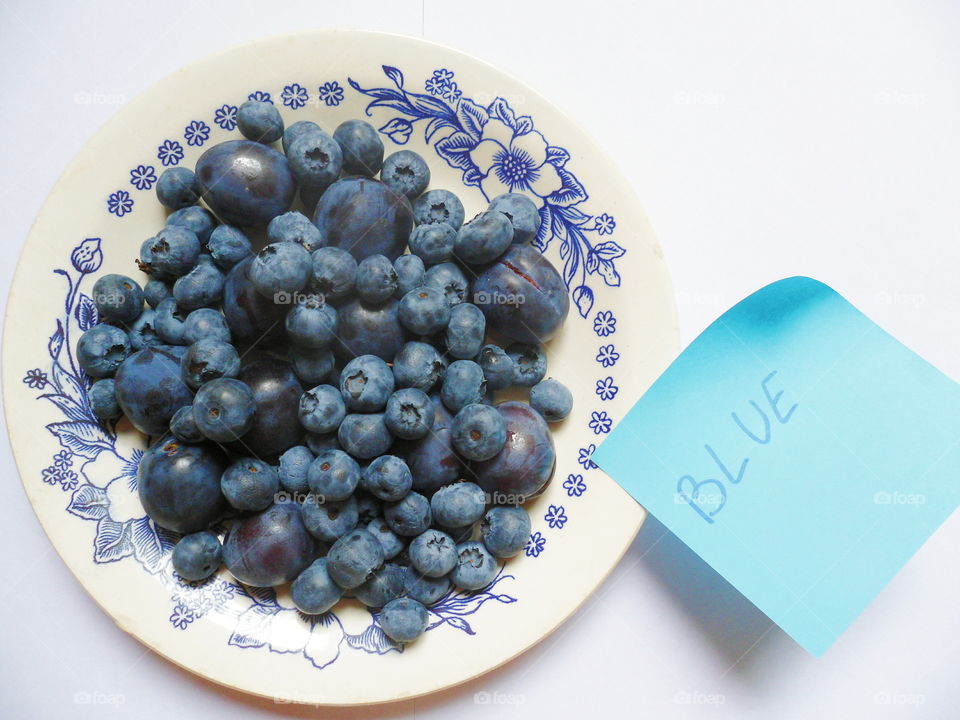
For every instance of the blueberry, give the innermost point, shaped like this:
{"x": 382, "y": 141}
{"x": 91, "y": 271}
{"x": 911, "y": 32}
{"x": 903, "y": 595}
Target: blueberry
{"x": 168, "y": 322}
{"x": 463, "y": 384}
{"x": 433, "y": 243}
{"x": 403, "y": 620}
{"x": 250, "y": 316}
{"x": 322, "y": 409}
{"x": 387, "y": 478}
{"x": 149, "y": 389}
{"x": 552, "y": 399}
{"x": 362, "y": 147}
{"x": 465, "y": 331}
{"x": 178, "y": 188}
{"x": 410, "y": 516}
{"x": 364, "y": 217}
{"x": 483, "y": 239}
{"x": 328, "y": 521}
{"x": 475, "y": 568}
{"x": 315, "y": 159}
{"x": 425, "y": 590}
{"x": 155, "y": 292}
{"x": 200, "y": 287}
{"x": 311, "y": 323}
{"x": 118, "y": 299}
{"x": 276, "y": 425}
{"x": 459, "y": 505}
{"x": 406, "y": 172}
{"x": 522, "y": 214}
{"x": 269, "y": 548}
{"x": 296, "y": 130}
{"x": 433, "y": 553}
{"x": 424, "y": 310}
{"x": 391, "y": 542}
{"x": 376, "y": 279}
{"x": 386, "y": 584}
{"x": 294, "y": 464}
{"x": 310, "y": 196}
{"x": 366, "y": 383}
{"x": 196, "y": 219}
{"x": 527, "y": 460}
{"x": 318, "y": 442}
{"x": 418, "y": 365}
{"x": 438, "y": 206}
{"x": 410, "y": 274}
{"x": 228, "y": 246}
{"x": 295, "y": 227}
{"x": 432, "y": 459}
{"x": 369, "y": 330}
{"x": 409, "y": 414}
{"x": 523, "y": 295}
{"x": 203, "y": 324}
{"x": 179, "y": 485}
{"x": 333, "y": 475}
{"x": 143, "y": 331}
{"x": 183, "y": 426}
{"x": 173, "y": 251}
{"x": 260, "y": 121}
{"x": 364, "y": 435}
{"x": 505, "y": 530}
{"x": 498, "y": 367}
{"x": 478, "y": 432}
{"x": 208, "y": 360}
{"x": 368, "y": 507}
{"x": 312, "y": 367}
{"x": 334, "y": 272}
{"x": 249, "y": 484}
{"x": 102, "y": 398}
{"x": 529, "y": 363}
{"x": 197, "y": 556}
{"x": 224, "y": 409}
{"x": 313, "y": 592}
{"x": 281, "y": 268}
{"x": 246, "y": 183}
{"x": 449, "y": 279}
{"x": 354, "y": 558}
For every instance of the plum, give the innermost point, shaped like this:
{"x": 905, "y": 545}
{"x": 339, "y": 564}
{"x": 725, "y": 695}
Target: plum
{"x": 269, "y": 548}
{"x": 364, "y": 329}
{"x": 276, "y": 426}
{"x": 365, "y": 217}
{"x": 150, "y": 389}
{"x": 250, "y": 316}
{"x": 525, "y": 464}
{"x": 432, "y": 459}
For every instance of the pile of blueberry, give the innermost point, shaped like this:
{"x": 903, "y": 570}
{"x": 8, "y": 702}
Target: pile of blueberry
{"x": 330, "y": 398}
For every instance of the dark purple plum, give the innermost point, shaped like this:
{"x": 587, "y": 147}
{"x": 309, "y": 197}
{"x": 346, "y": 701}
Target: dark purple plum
{"x": 150, "y": 389}
{"x": 364, "y": 329}
{"x": 432, "y": 460}
{"x": 276, "y": 426}
{"x": 269, "y": 548}
{"x": 522, "y": 295}
{"x": 179, "y": 484}
{"x": 246, "y": 183}
{"x": 527, "y": 460}
{"x": 365, "y": 217}
{"x": 250, "y": 316}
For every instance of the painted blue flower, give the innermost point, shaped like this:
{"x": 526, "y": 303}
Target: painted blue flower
{"x": 120, "y": 203}
{"x": 196, "y": 133}
{"x": 451, "y": 93}
{"x": 600, "y": 422}
{"x": 68, "y": 479}
{"x": 574, "y": 485}
{"x": 556, "y": 517}
{"x": 50, "y": 475}
{"x": 142, "y": 177}
{"x": 260, "y": 96}
{"x": 535, "y": 545}
{"x": 294, "y": 96}
{"x": 604, "y": 323}
{"x": 440, "y": 82}
{"x": 181, "y": 617}
{"x": 607, "y": 355}
{"x": 331, "y": 93}
{"x": 585, "y": 457}
{"x": 222, "y": 593}
{"x": 87, "y": 257}
{"x": 226, "y": 117}
{"x": 605, "y": 224}
{"x": 606, "y": 390}
{"x": 36, "y": 379}
{"x": 170, "y": 153}
{"x": 63, "y": 460}
{"x": 434, "y": 86}
{"x": 443, "y": 75}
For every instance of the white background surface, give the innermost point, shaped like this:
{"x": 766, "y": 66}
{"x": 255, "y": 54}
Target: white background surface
{"x": 764, "y": 139}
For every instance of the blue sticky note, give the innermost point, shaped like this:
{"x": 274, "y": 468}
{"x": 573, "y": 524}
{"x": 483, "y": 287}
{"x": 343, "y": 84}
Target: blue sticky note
{"x": 800, "y": 450}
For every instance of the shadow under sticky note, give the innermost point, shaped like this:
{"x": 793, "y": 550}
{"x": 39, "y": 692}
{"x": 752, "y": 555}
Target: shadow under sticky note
{"x": 800, "y": 450}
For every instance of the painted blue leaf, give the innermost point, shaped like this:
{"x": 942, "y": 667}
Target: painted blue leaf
{"x": 83, "y": 438}
{"x": 544, "y": 232}
{"x": 264, "y": 596}
{"x": 609, "y": 273}
{"x": 573, "y": 215}
{"x": 56, "y": 342}
{"x": 252, "y": 625}
{"x": 472, "y": 118}
{"x": 591, "y": 262}
{"x": 501, "y": 110}
{"x": 148, "y": 548}
{"x": 564, "y": 249}
{"x": 372, "y": 640}
{"x": 557, "y": 156}
{"x": 398, "y": 130}
{"x": 394, "y": 74}
{"x": 507, "y": 599}
{"x": 583, "y": 299}
{"x": 472, "y": 176}
{"x": 89, "y": 502}
{"x": 571, "y": 191}
{"x": 524, "y": 124}
{"x": 426, "y": 106}
{"x": 69, "y": 386}
{"x": 68, "y": 407}
{"x": 460, "y": 624}
{"x": 435, "y": 125}
{"x": 455, "y": 149}
{"x": 112, "y": 542}
{"x": 86, "y": 313}
{"x": 609, "y": 250}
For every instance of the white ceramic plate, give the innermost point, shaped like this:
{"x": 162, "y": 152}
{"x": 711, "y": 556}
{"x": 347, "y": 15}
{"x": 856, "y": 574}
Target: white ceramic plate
{"x": 476, "y": 127}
